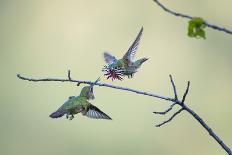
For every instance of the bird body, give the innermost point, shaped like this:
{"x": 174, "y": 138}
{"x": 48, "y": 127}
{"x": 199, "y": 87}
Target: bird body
{"x": 125, "y": 66}
{"x": 80, "y": 104}
{"x": 133, "y": 67}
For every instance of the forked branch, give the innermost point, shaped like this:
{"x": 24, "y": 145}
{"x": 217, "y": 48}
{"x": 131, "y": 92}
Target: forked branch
{"x": 170, "y": 119}
{"x": 174, "y": 101}
{"x": 166, "y": 111}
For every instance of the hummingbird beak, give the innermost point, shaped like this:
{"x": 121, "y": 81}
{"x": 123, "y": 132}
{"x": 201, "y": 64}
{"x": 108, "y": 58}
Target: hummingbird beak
{"x": 98, "y": 79}
{"x": 91, "y": 94}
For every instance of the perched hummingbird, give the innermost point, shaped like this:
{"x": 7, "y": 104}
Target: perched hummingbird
{"x": 126, "y": 66}
{"x": 80, "y": 104}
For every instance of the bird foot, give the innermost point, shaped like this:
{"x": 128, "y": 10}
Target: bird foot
{"x": 130, "y": 76}
{"x": 70, "y": 117}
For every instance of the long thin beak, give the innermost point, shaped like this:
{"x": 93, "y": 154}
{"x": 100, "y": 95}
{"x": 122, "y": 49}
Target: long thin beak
{"x": 92, "y": 85}
{"x": 95, "y": 82}
{"x": 91, "y": 88}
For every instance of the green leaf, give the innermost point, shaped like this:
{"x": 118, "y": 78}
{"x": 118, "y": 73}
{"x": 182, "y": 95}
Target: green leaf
{"x": 196, "y": 28}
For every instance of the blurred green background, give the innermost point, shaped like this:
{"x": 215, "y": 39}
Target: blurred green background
{"x": 42, "y": 38}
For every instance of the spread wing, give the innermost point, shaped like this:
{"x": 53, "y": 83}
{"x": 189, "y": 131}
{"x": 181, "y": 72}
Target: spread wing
{"x": 109, "y": 58}
{"x": 94, "y": 112}
{"x": 133, "y": 48}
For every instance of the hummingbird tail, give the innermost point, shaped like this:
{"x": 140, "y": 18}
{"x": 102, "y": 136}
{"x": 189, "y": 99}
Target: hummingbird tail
{"x": 57, "y": 114}
{"x": 140, "y": 62}
{"x": 143, "y": 60}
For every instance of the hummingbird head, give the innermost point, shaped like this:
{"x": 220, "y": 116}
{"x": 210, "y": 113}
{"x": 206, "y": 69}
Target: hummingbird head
{"x": 87, "y": 91}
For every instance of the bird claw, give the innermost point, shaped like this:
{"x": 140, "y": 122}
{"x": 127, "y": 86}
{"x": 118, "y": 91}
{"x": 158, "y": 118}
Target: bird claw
{"x": 70, "y": 117}
{"x": 130, "y": 76}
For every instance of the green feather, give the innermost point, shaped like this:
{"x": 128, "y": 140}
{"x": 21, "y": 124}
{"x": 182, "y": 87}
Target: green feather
{"x": 85, "y": 90}
{"x": 75, "y": 103}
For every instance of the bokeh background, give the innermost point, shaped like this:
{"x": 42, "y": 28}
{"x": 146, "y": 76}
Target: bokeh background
{"x": 42, "y": 38}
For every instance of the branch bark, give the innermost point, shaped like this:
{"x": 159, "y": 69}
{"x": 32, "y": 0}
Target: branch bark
{"x": 177, "y": 14}
{"x": 174, "y": 101}
{"x": 209, "y": 130}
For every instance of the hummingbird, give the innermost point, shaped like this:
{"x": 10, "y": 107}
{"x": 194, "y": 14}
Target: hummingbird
{"x": 126, "y": 66}
{"x": 81, "y": 104}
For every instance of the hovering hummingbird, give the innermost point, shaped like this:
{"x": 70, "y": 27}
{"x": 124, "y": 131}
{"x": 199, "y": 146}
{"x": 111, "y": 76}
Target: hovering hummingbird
{"x": 127, "y": 66}
{"x": 80, "y": 104}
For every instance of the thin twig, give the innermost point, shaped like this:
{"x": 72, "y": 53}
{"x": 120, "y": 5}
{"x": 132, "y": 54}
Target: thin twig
{"x": 170, "y": 119}
{"x": 186, "y": 92}
{"x": 166, "y": 111}
{"x": 175, "y": 101}
{"x": 69, "y": 75}
{"x": 174, "y": 87}
{"x": 219, "y": 28}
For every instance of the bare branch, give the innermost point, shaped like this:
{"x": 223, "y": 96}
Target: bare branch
{"x": 174, "y": 101}
{"x": 186, "y": 92}
{"x": 208, "y": 129}
{"x": 166, "y": 111}
{"x": 219, "y": 28}
{"x": 170, "y": 119}
{"x": 174, "y": 87}
{"x": 99, "y": 84}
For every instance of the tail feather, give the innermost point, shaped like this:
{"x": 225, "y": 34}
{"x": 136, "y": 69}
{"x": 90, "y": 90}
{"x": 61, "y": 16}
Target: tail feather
{"x": 57, "y": 114}
{"x": 141, "y": 61}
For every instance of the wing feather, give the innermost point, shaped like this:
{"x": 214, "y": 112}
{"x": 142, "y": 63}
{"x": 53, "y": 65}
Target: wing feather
{"x": 94, "y": 112}
{"x": 133, "y": 48}
{"x": 109, "y": 58}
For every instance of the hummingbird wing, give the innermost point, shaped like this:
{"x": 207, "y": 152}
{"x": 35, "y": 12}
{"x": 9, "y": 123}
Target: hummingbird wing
{"x": 94, "y": 112}
{"x": 133, "y": 48}
{"x": 109, "y": 58}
